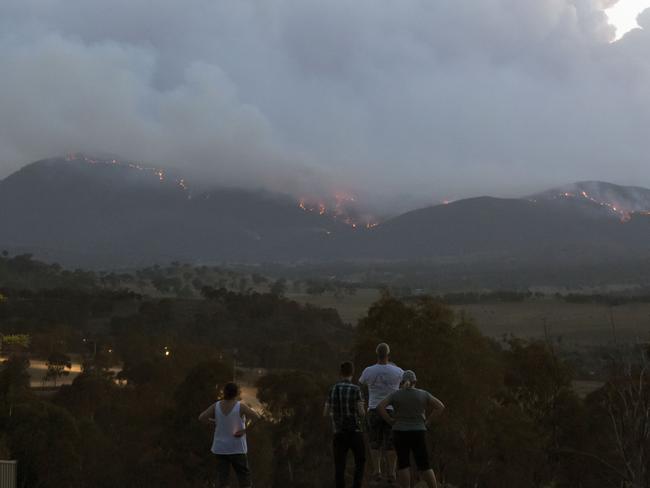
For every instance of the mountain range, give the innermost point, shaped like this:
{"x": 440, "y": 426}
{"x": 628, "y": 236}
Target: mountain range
{"x": 95, "y": 212}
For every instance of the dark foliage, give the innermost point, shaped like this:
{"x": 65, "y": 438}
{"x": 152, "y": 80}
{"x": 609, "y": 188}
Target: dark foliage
{"x": 512, "y": 419}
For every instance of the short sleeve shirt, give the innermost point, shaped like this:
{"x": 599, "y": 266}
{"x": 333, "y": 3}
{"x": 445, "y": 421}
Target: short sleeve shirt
{"x": 409, "y": 408}
{"x": 382, "y": 380}
{"x": 342, "y": 402}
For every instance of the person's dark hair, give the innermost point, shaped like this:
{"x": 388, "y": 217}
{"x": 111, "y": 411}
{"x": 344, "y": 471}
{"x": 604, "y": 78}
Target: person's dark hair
{"x": 346, "y": 369}
{"x": 230, "y": 391}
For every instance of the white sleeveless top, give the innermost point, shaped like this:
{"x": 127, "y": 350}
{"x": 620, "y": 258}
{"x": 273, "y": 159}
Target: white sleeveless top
{"x": 224, "y": 441}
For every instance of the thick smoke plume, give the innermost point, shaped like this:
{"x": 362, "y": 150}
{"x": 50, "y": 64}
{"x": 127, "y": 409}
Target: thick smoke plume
{"x": 431, "y": 99}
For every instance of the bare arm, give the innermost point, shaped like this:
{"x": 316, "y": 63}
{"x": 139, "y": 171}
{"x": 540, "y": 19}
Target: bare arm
{"x": 436, "y": 407}
{"x": 207, "y": 416}
{"x": 326, "y": 410}
{"x": 250, "y": 414}
{"x": 361, "y": 406}
{"x": 381, "y": 410}
{"x": 365, "y": 393}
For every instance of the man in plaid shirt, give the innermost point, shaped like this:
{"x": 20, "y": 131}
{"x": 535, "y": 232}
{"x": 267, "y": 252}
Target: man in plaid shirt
{"x": 345, "y": 406}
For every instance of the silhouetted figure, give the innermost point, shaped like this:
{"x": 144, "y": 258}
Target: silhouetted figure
{"x": 345, "y": 406}
{"x": 229, "y": 443}
{"x": 409, "y": 423}
{"x": 382, "y": 379}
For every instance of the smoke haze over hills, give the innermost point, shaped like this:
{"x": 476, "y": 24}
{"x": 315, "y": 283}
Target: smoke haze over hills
{"x": 437, "y": 100}
{"x": 109, "y": 213}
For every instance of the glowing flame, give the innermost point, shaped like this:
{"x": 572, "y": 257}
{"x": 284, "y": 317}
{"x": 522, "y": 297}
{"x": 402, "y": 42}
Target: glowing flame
{"x": 157, "y": 172}
{"x": 339, "y": 210}
{"x": 623, "y": 214}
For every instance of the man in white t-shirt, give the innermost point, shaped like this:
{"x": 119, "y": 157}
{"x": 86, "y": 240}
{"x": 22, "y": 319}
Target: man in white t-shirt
{"x": 382, "y": 379}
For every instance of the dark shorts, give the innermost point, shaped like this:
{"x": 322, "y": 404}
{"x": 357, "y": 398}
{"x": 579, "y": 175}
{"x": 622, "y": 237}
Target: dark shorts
{"x": 239, "y": 463}
{"x": 380, "y": 433}
{"x": 411, "y": 441}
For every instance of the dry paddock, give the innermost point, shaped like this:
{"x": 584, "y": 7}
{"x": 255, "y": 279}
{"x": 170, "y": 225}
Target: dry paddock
{"x": 586, "y": 324}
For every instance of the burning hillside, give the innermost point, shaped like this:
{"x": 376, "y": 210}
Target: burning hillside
{"x": 112, "y": 212}
{"x": 158, "y": 173}
{"x": 620, "y": 201}
{"x": 340, "y": 207}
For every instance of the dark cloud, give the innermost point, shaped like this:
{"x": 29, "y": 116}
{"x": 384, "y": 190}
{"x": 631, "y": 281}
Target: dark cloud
{"x": 435, "y": 99}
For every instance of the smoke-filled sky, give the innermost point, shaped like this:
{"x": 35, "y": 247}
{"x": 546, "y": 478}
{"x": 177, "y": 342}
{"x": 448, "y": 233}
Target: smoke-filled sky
{"x": 429, "y": 98}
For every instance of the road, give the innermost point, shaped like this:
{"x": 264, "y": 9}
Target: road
{"x": 38, "y": 370}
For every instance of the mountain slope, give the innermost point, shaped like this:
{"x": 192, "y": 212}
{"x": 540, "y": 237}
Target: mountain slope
{"x": 107, "y": 213}
{"x": 493, "y": 227}
{"x": 618, "y": 200}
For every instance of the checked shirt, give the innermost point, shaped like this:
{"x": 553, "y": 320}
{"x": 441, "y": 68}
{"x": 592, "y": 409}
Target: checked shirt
{"x": 342, "y": 402}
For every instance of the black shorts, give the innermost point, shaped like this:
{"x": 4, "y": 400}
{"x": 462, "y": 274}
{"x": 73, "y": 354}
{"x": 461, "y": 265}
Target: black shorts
{"x": 380, "y": 432}
{"x": 239, "y": 463}
{"x": 411, "y": 441}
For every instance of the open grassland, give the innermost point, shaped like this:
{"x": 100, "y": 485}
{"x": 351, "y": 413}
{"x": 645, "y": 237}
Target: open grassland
{"x": 587, "y": 323}
{"x": 350, "y": 307}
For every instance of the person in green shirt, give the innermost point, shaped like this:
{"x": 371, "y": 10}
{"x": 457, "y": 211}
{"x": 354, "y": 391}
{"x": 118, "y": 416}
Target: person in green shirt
{"x": 409, "y": 422}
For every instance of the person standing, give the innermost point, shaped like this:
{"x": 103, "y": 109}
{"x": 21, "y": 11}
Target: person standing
{"x": 382, "y": 379}
{"x": 409, "y": 424}
{"x": 344, "y": 405}
{"x": 229, "y": 442}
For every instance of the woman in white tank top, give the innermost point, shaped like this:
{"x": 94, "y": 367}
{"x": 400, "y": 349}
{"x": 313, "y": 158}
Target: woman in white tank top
{"x": 229, "y": 442}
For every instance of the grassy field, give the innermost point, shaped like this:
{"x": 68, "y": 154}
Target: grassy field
{"x": 574, "y": 323}
{"x": 350, "y": 307}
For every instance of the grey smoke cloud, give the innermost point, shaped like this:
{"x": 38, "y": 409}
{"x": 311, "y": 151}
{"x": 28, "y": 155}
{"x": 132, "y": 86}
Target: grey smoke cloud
{"x": 431, "y": 99}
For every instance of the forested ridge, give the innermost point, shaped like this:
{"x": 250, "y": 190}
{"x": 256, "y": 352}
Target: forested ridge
{"x": 513, "y": 418}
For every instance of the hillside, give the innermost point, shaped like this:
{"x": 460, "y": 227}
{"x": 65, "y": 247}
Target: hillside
{"x": 493, "y": 227}
{"x": 106, "y": 213}
{"x": 618, "y": 200}
{"x": 103, "y": 214}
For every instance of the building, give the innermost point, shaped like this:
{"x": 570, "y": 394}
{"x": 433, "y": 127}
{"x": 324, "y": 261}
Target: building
{"x": 8, "y": 474}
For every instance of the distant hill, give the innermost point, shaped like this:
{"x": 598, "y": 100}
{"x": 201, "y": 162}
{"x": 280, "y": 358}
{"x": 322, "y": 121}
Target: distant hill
{"x": 621, "y": 201}
{"x": 486, "y": 227}
{"x": 102, "y": 213}
{"x": 109, "y": 213}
